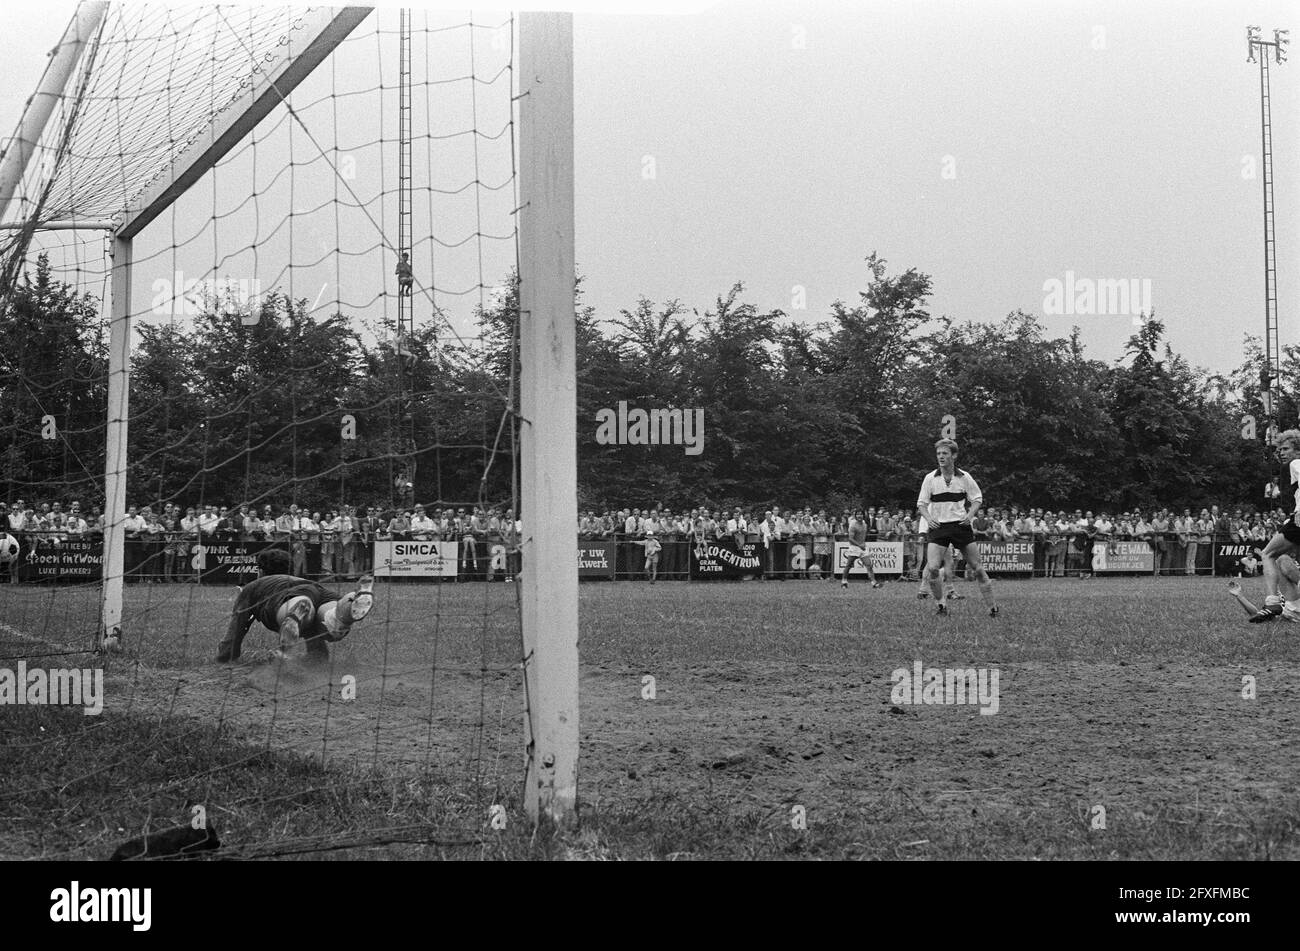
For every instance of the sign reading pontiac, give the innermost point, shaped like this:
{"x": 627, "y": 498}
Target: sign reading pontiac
{"x": 886, "y": 558}
{"x": 415, "y": 559}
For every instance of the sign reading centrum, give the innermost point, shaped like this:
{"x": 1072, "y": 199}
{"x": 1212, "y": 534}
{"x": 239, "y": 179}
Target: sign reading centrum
{"x": 415, "y": 559}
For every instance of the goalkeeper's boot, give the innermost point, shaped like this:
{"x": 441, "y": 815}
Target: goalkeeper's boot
{"x": 1271, "y": 611}
{"x": 290, "y": 630}
{"x": 363, "y": 599}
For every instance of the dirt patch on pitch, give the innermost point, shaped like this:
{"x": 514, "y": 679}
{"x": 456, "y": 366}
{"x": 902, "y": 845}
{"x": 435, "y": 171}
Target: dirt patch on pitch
{"x": 1080, "y": 759}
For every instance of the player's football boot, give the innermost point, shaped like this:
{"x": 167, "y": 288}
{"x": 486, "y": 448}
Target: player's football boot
{"x": 876, "y": 584}
{"x": 942, "y": 610}
{"x": 993, "y": 611}
{"x": 844, "y": 585}
{"x": 922, "y": 595}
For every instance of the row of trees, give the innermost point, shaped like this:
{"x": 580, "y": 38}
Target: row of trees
{"x": 288, "y": 408}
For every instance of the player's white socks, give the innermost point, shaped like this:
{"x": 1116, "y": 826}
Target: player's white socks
{"x": 1274, "y": 599}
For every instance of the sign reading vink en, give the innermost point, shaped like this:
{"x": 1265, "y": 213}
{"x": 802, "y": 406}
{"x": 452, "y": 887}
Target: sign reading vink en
{"x": 656, "y": 427}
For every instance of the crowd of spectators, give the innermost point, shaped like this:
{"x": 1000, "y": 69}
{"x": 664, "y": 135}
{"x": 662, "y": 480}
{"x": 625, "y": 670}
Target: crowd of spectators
{"x": 1180, "y": 542}
{"x": 341, "y": 538}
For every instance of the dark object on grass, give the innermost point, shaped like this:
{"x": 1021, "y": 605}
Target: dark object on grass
{"x": 182, "y": 842}
{"x": 274, "y": 561}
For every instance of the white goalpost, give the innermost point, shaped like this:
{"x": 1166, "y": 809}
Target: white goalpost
{"x": 549, "y": 409}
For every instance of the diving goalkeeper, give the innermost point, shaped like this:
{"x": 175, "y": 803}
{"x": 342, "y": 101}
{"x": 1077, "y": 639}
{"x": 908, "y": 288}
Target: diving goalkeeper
{"x": 1288, "y": 586}
{"x": 295, "y": 608}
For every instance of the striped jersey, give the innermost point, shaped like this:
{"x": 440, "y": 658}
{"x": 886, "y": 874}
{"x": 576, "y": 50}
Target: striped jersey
{"x": 949, "y": 501}
{"x": 1294, "y": 468}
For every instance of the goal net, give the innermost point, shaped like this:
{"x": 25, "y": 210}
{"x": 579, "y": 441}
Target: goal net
{"x": 276, "y": 249}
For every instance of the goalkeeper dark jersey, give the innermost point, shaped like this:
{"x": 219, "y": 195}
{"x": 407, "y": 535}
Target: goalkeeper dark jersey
{"x": 260, "y": 600}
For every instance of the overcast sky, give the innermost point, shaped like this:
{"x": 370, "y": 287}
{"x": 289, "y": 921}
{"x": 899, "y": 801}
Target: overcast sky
{"x": 994, "y": 146}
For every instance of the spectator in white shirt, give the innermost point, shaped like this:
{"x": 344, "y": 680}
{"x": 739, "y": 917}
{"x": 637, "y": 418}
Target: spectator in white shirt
{"x": 736, "y": 528}
{"x": 329, "y": 533}
{"x": 208, "y": 522}
{"x": 133, "y": 524}
{"x": 422, "y": 526}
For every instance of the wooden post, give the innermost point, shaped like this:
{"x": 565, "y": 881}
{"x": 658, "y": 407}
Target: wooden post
{"x": 119, "y": 392}
{"x": 548, "y": 403}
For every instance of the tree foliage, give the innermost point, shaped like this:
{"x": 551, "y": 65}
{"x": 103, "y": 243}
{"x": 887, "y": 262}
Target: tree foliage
{"x": 234, "y": 410}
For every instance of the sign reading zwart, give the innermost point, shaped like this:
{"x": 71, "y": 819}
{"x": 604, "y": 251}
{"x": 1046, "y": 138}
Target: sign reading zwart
{"x": 415, "y": 559}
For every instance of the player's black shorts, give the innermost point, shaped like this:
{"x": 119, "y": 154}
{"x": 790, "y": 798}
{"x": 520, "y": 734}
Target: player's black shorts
{"x": 958, "y": 534}
{"x": 1290, "y": 532}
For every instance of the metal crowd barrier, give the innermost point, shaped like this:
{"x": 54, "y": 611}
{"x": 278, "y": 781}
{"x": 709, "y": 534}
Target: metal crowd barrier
{"x": 46, "y": 558}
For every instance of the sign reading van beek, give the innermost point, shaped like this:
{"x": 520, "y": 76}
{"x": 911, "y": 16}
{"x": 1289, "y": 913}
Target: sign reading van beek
{"x": 395, "y": 559}
{"x": 1003, "y": 556}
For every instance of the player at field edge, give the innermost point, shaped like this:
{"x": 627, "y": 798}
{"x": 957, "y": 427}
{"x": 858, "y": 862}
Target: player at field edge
{"x": 295, "y": 608}
{"x": 1289, "y": 583}
{"x": 949, "y": 500}
{"x": 858, "y": 550}
{"x": 1287, "y": 540}
{"x": 652, "y": 549}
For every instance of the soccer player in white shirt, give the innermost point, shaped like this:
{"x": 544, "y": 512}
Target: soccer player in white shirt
{"x": 949, "y": 500}
{"x": 1286, "y": 541}
{"x": 949, "y": 588}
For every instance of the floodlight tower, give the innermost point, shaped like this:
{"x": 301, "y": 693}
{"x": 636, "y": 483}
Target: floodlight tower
{"x": 1272, "y": 351}
{"x": 404, "y": 362}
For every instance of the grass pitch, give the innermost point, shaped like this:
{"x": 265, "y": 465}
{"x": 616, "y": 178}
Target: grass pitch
{"x": 1121, "y": 732}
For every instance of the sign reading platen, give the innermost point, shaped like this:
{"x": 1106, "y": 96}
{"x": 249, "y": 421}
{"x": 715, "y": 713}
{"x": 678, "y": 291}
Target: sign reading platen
{"x": 415, "y": 559}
